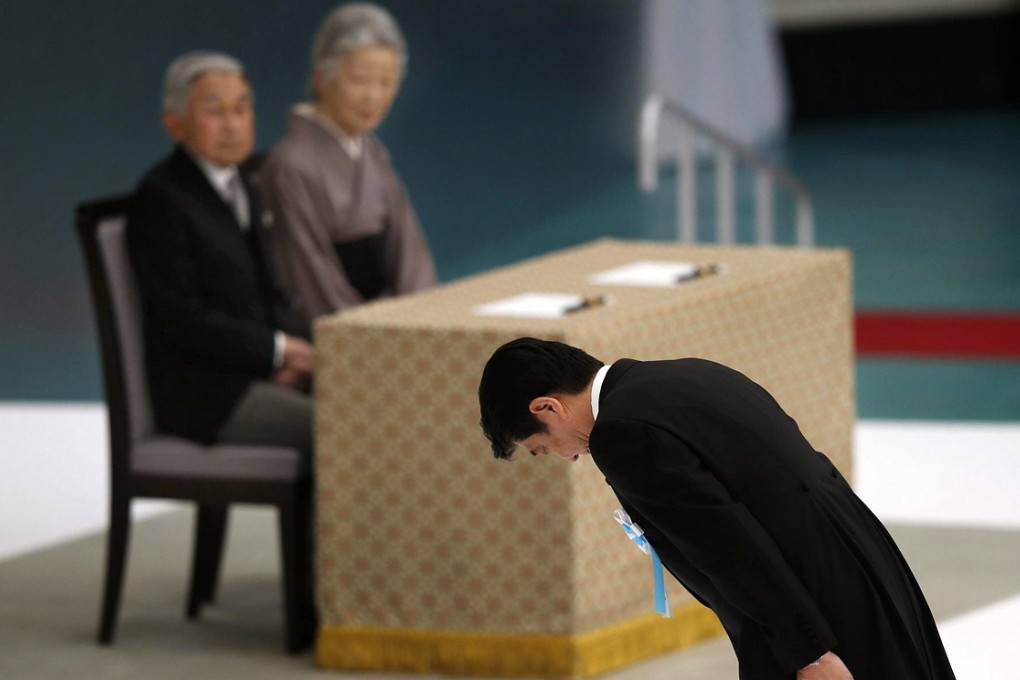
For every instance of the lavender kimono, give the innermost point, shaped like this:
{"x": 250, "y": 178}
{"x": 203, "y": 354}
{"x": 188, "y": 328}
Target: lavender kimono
{"x": 344, "y": 229}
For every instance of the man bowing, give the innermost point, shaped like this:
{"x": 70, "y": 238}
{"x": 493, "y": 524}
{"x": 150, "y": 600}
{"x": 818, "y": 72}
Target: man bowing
{"x": 755, "y": 523}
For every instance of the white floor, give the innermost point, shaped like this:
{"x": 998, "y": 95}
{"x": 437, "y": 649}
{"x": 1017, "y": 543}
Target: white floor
{"x": 980, "y": 644}
{"x": 940, "y": 472}
{"x": 54, "y": 486}
{"x": 54, "y": 475}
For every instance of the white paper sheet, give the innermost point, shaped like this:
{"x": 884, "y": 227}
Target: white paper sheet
{"x": 533, "y": 305}
{"x": 649, "y": 273}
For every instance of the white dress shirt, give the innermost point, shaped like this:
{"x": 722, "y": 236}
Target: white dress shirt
{"x": 596, "y": 390}
{"x": 226, "y": 180}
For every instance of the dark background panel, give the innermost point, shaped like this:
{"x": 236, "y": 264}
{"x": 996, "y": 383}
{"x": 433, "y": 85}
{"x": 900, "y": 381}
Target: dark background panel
{"x": 905, "y": 65}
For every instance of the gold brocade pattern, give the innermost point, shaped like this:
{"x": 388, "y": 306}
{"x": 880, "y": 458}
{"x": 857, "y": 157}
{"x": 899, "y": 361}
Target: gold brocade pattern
{"x": 419, "y": 529}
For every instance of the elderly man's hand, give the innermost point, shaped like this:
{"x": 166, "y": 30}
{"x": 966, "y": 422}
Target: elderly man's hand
{"x": 290, "y": 378}
{"x": 298, "y": 363}
{"x": 829, "y": 667}
{"x": 298, "y": 355}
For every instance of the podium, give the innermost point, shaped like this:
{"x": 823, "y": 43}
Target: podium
{"x": 433, "y": 557}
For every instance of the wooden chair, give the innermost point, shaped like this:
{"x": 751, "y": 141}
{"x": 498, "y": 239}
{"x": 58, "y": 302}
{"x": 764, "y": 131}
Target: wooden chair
{"x": 145, "y": 464}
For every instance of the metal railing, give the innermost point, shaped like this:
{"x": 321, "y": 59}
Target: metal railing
{"x": 727, "y": 150}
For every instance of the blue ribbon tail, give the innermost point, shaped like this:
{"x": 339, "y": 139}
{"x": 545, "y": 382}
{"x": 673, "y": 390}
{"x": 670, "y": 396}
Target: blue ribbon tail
{"x": 661, "y": 599}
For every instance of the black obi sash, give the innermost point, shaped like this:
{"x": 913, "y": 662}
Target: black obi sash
{"x": 364, "y": 262}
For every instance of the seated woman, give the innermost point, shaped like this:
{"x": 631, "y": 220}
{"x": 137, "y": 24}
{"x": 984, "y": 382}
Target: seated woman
{"x": 345, "y": 231}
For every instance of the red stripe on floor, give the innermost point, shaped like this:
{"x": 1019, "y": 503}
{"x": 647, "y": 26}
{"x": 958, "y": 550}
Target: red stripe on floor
{"x": 939, "y": 333}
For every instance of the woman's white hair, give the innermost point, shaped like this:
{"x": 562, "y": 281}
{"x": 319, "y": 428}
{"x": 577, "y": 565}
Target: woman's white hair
{"x": 353, "y": 26}
{"x": 183, "y": 71}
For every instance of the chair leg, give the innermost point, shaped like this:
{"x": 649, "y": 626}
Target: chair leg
{"x": 217, "y": 522}
{"x": 306, "y": 528}
{"x": 210, "y": 529}
{"x": 298, "y": 608}
{"x": 116, "y": 556}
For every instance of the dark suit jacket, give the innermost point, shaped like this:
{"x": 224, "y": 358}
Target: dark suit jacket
{"x": 759, "y": 526}
{"x": 209, "y": 302}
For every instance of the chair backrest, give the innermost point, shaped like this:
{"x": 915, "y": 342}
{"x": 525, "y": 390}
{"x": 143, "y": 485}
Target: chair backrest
{"x": 102, "y": 230}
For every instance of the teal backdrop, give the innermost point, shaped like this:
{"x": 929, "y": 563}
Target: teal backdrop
{"x": 514, "y": 133}
{"x": 510, "y": 110}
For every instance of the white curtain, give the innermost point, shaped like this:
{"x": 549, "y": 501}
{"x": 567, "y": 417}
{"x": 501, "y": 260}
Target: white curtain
{"x": 719, "y": 59}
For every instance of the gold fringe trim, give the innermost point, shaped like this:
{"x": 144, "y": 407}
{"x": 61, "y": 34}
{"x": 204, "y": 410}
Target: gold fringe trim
{"x": 513, "y": 654}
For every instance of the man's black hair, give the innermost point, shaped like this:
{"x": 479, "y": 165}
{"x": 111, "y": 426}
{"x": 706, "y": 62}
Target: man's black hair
{"x": 522, "y": 370}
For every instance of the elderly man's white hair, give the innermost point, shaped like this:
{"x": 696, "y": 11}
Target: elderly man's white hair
{"x": 185, "y": 69}
{"x": 351, "y": 27}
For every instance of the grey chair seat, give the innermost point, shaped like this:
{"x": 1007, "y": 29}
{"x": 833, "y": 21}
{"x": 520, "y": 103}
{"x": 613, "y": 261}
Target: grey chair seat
{"x": 164, "y": 455}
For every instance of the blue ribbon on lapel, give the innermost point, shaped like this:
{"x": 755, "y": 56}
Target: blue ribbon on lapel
{"x": 637, "y": 534}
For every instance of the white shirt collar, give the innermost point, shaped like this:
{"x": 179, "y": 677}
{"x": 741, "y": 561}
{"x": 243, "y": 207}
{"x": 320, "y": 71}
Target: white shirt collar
{"x": 218, "y": 175}
{"x": 352, "y": 145}
{"x": 221, "y": 177}
{"x": 596, "y": 389}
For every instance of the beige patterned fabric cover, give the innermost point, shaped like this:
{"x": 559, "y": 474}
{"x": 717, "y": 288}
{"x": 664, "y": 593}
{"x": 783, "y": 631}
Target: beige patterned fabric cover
{"x": 418, "y": 527}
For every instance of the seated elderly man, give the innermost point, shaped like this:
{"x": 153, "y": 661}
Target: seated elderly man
{"x": 223, "y": 361}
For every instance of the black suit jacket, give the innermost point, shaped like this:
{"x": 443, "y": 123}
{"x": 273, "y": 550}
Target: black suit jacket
{"x": 209, "y": 301}
{"x": 759, "y": 526}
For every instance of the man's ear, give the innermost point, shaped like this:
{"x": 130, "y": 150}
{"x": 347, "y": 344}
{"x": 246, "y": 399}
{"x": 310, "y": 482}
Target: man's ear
{"x": 547, "y": 409}
{"x": 175, "y": 126}
{"x": 319, "y": 83}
